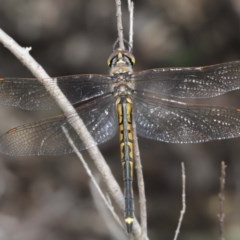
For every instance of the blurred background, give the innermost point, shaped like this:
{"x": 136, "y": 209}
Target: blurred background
{"x": 49, "y": 198}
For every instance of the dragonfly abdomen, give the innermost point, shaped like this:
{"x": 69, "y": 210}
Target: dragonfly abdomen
{"x": 124, "y": 110}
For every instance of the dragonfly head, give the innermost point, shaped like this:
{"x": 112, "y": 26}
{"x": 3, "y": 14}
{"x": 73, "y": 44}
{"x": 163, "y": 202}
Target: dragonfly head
{"x": 120, "y": 61}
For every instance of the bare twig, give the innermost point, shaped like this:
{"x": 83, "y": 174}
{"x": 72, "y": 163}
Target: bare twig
{"x": 183, "y": 210}
{"x": 131, "y": 12}
{"x": 68, "y": 110}
{"x": 92, "y": 178}
{"x": 221, "y": 196}
{"x": 51, "y": 85}
{"x": 23, "y": 55}
{"x": 119, "y": 24}
{"x": 141, "y": 186}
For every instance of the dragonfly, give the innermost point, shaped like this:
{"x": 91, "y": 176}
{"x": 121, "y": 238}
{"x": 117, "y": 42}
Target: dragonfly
{"x": 156, "y": 99}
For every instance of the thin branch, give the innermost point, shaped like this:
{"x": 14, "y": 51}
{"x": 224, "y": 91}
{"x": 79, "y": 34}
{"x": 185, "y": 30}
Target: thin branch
{"x": 23, "y": 55}
{"x": 92, "y": 178}
{"x": 221, "y": 196}
{"x": 141, "y": 186}
{"x": 183, "y": 210}
{"x": 68, "y": 110}
{"x": 50, "y": 84}
{"x": 119, "y": 24}
{"x": 131, "y": 12}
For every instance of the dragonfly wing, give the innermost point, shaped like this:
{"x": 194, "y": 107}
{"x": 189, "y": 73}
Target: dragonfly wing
{"x": 191, "y": 82}
{"x": 178, "y": 122}
{"x": 79, "y": 88}
{"x": 30, "y": 94}
{"x": 47, "y": 138}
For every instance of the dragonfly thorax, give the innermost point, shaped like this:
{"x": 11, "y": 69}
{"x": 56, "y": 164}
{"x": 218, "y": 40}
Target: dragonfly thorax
{"x": 122, "y": 90}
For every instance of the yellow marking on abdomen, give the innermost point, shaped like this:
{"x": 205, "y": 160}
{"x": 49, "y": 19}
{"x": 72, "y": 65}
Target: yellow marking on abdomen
{"x": 129, "y": 220}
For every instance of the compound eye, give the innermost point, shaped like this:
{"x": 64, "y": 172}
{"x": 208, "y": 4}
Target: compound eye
{"x": 118, "y": 55}
{"x": 111, "y": 61}
{"x": 132, "y": 59}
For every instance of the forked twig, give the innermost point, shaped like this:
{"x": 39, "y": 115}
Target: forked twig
{"x": 50, "y": 84}
{"x": 183, "y": 210}
{"x": 23, "y": 55}
{"x": 221, "y": 196}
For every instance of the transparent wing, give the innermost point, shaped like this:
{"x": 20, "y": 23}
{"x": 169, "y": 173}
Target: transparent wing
{"x": 193, "y": 82}
{"x": 177, "y": 122}
{"x": 47, "y": 138}
{"x": 30, "y": 94}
